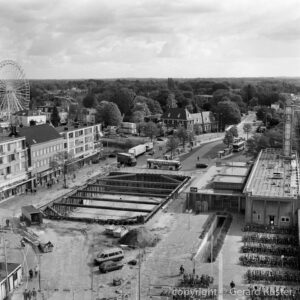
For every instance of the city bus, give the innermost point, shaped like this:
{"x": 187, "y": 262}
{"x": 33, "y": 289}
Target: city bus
{"x": 174, "y": 165}
{"x": 238, "y": 146}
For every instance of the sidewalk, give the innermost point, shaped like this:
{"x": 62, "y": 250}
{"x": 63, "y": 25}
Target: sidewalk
{"x": 12, "y": 207}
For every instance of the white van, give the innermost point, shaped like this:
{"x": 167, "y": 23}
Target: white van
{"x": 112, "y": 254}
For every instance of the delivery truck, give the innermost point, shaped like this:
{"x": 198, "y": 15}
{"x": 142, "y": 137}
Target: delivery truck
{"x": 137, "y": 150}
{"x": 149, "y": 146}
{"x": 126, "y": 159}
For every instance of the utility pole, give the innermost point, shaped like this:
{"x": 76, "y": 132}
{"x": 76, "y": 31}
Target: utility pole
{"x": 40, "y": 269}
{"x": 6, "y": 271}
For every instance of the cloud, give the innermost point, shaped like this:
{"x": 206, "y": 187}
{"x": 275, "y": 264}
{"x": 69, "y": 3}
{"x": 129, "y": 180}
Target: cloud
{"x": 150, "y": 37}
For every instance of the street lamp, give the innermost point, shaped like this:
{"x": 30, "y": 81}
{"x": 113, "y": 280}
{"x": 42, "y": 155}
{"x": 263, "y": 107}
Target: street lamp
{"x": 282, "y": 258}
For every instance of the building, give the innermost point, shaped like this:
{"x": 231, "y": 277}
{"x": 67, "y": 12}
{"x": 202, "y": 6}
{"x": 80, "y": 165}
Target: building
{"x": 272, "y": 191}
{"x": 14, "y": 166}
{"x": 178, "y": 117}
{"x": 82, "y": 142}
{"x": 24, "y": 117}
{"x": 90, "y": 116}
{"x": 220, "y": 189}
{"x": 205, "y": 122}
{"x": 181, "y": 117}
{"x": 12, "y": 278}
{"x": 44, "y": 142}
{"x": 275, "y": 106}
{"x": 47, "y": 111}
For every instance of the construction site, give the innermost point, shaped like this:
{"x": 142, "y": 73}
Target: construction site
{"x": 118, "y": 198}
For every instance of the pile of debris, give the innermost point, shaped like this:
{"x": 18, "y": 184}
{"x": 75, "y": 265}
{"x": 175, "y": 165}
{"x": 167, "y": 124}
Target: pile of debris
{"x": 139, "y": 237}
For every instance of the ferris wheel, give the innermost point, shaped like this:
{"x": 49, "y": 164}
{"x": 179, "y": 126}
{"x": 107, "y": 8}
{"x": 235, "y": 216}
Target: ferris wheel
{"x": 14, "y": 89}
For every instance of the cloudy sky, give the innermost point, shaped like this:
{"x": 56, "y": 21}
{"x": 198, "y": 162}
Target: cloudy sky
{"x": 151, "y": 38}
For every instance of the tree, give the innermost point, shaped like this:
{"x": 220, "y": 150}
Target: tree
{"x": 138, "y": 117}
{"x": 230, "y": 113}
{"x": 141, "y": 106}
{"x": 63, "y": 160}
{"x": 150, "y": 130}
{"x": 124, "y": 98}
{"x": 228, "y": 138}
{"x": 171, "y": 84}
{"x": 182, "y": 135}
{"x": 253, "y": 102}
{"x": 172, "y": 144}
{"x": 88, "y": 101}
{"x": 270, "y": 139}
{"x": 109, "y": 114}
{"x": 247, "y": 128}
{"x": 55, "y": 119}
{"x": 234, "y": 131}
{"x": 140, "y": 127}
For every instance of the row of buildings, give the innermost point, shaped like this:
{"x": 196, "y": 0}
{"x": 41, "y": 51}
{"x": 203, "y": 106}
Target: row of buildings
{"x": 29, "y": 155}
{"x": 42, "y": 115}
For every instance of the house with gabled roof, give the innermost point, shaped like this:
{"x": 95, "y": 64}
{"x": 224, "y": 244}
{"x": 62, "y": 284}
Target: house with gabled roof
{"x": 181, "y": 117}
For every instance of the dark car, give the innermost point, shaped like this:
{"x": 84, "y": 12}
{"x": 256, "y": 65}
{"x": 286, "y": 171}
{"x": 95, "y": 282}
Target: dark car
{"x": 109, "y": 266}
{"x": 201, "y": 166}
{"x": 160, "y": 139}
{"x": 112, "y": 155}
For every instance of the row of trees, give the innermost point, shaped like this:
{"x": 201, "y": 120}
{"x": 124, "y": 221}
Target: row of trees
{"x": 137, "y": 98}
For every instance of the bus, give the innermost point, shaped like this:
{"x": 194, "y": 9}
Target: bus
{"x": 174, "y": 165}
{"x": 238, "y": 146}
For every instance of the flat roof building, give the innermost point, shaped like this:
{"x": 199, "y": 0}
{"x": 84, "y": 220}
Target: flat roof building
{"x": 272, "y": 190}
{"x": 220, "y": 188}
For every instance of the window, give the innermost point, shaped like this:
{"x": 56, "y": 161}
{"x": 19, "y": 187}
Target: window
{"x": 285, "y": 219}
{"x": 71, "y": 135}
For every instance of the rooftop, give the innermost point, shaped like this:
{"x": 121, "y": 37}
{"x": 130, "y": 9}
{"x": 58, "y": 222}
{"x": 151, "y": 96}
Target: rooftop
{"x": 274, "y": 175}
{"x": 229, "y": 179}
{"x": 11, "y": 267}
{"x": 72, "y": 127}
{"x": 28, "y": 113}
{"x": 39, "y": 133}
{"x": 176, "y": 114}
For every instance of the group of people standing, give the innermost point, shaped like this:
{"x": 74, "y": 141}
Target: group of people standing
{"x": 28, "y": 294}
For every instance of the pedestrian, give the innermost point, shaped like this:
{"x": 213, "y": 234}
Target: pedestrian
{"x": 198, "y": 158}
{"x": 36, "y": 270}
{"x": 34, "y": 294}
{"x": 181, "y": 269}
{"x": 25, "y": 294}
{"x": 232, "y": 284}
{"x": 30, "y": 274}
{"x": 29, "y": 295}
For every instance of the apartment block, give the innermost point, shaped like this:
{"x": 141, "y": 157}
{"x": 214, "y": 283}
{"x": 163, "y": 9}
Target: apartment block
{"x": 14, "y": 165}
{"x": 44, "y": 143}
{"x": 82, "y": 142}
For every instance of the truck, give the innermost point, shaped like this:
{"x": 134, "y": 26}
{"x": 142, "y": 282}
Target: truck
{"x": 149, "y": 146}
{"x": 137, "y": 150}
{"x": 126, "y": 159}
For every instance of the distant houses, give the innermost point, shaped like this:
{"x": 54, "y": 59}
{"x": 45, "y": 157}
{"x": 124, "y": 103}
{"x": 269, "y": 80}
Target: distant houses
{"x": 181, "y": 117}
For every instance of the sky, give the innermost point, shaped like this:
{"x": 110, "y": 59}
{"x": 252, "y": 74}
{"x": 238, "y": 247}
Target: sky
{"x": 56, "y": 39}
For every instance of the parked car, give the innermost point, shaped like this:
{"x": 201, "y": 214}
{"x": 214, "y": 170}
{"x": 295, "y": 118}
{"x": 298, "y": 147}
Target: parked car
{"x": 201, "y": 165}
{"x": 112, "y": 155}
{"x": 112, "y": 254}
{"x": 160, "y": 139}
{"x": 110, "y": 266}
